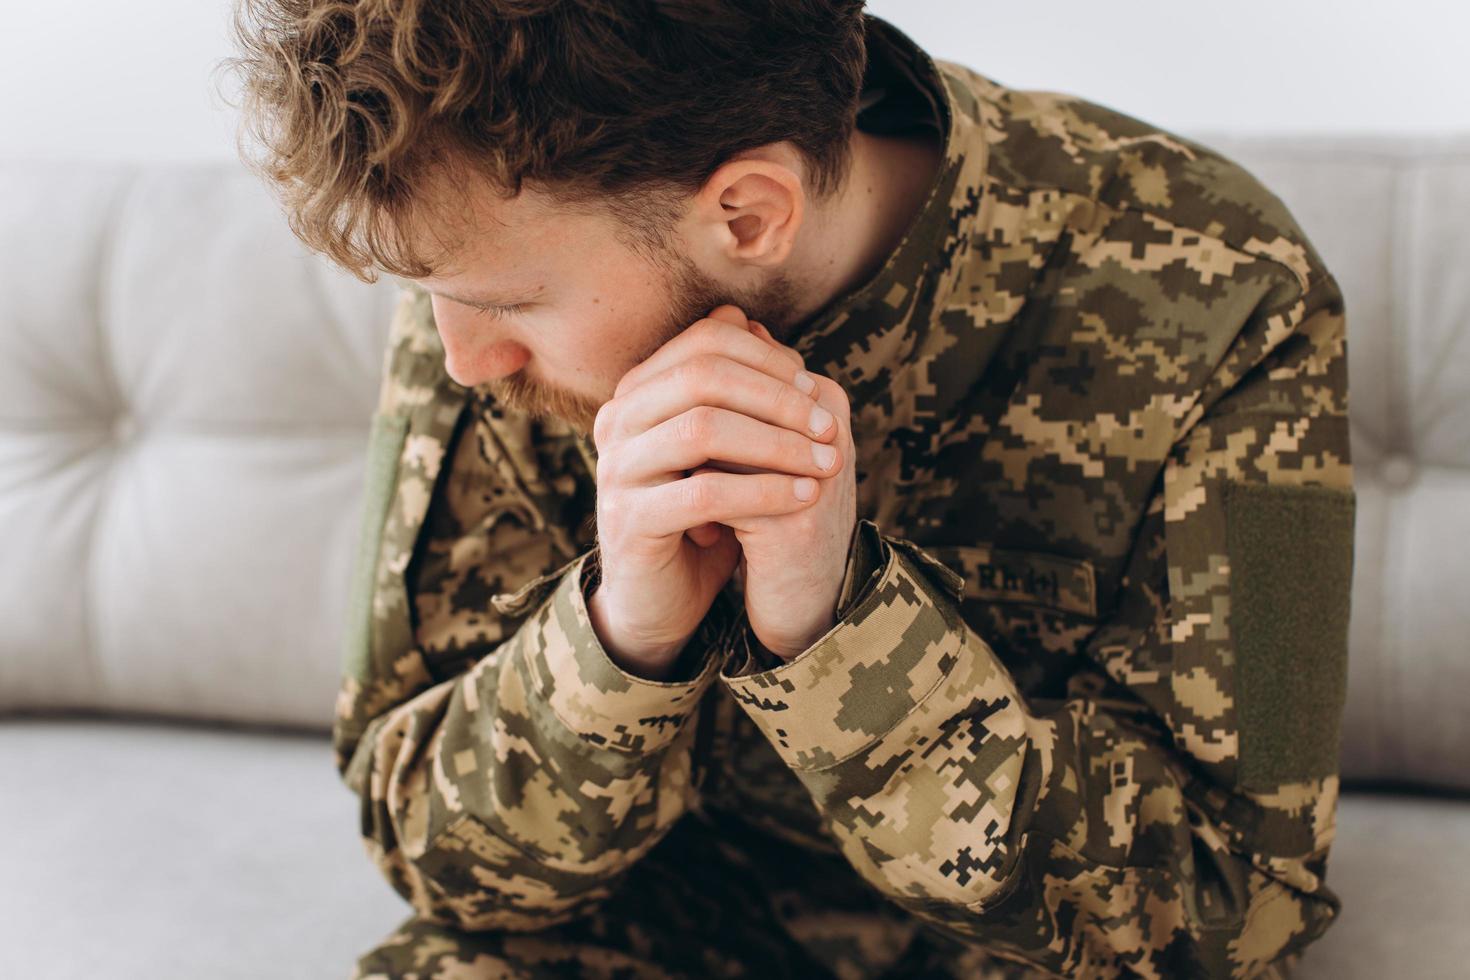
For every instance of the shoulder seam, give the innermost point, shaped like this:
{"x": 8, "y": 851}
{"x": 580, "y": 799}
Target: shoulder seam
{"x": 1028, "y": 187}
{"x": 1305, "y": 284}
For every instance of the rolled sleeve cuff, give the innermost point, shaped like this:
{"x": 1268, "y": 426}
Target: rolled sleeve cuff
{"x": 900, "y": 638}
{"x": 570, "y": 671}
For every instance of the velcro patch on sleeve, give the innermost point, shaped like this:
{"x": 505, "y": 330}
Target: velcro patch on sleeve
{"x": 1291, "y": 556}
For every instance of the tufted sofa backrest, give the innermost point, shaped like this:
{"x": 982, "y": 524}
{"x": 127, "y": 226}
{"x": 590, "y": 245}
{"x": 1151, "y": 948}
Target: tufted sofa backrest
{"x": 184, "y": 399}
{"x": 185, "y": 394}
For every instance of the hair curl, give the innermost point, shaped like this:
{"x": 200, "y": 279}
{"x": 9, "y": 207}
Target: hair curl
{"x": 626, "y": 105}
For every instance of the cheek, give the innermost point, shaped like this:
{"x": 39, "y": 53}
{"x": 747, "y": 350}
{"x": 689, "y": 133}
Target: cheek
{"x": 618, "y": 328}
{"x": 581, "y": 345}
{"x": 622, "y": 317}
{"x": 629, "y": 284}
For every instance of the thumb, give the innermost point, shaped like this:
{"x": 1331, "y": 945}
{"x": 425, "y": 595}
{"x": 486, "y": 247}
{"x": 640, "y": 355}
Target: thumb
{"x": 730, "y": 313}
{"x": 705, "y": 535}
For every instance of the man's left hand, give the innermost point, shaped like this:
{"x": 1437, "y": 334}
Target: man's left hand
{"x": 793, "y": 564}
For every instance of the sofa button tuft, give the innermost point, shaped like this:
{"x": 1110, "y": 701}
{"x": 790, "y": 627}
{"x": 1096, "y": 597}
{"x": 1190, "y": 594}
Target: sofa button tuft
{"x": 124, "y": 428}
{"x": 1398, "y": 471}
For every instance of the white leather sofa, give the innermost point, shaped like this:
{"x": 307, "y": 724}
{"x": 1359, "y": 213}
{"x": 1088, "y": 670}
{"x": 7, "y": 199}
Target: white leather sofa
{"x": 184, "y": 404}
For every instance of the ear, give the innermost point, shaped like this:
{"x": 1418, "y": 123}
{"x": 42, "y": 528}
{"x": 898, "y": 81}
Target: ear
{"x": 755, "y": 205}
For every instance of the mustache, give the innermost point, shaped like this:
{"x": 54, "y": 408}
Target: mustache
{"x": 522, "y": 394}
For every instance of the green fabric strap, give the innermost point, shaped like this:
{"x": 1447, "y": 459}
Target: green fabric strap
{"x": 385, "y": 445}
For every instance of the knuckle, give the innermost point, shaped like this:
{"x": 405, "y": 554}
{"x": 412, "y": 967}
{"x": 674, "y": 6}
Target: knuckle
{"x": 710, "y": 329}
{"x": 609, "y": 470}
{"x": 686, "y": 379}
{"x": 696, "y": 424}
{"x": 707, "y": 420}
{"x": 602, "y": 424}
{"x": 789, "y": 402}
{"x": 700, "y": 377}
{"x": 699, "y": 493}
{"x": 771, "y": 358}
{"x": 704, "y": 371}
{"x": 611, "y": 510}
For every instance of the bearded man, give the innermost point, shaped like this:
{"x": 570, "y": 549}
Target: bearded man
{"x": 828, "y": 513}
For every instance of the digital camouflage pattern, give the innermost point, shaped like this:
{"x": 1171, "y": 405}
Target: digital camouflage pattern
{"x": 1079, "y": 713}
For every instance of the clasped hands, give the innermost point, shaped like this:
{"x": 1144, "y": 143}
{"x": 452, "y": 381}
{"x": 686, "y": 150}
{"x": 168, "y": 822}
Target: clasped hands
{"x": 754, "y": 412}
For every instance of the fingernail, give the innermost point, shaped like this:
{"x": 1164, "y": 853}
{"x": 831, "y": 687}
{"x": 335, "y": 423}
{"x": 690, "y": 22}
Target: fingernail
{"x": 824, "y": 455}
{"x": 805, "y": 487}
{"x": 805, "y": 382}
{"x": 821, "y": 418}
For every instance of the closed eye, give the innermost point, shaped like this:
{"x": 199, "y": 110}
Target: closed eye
{"x": 501, "y": 311}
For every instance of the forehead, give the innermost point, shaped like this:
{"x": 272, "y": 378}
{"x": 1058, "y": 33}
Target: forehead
{"x": 483, "y": 232}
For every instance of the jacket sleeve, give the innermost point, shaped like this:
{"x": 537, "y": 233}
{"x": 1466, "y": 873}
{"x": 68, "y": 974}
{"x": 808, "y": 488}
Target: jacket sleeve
{"x": 1172, "y": 814}
{"x": 509, "y": 771}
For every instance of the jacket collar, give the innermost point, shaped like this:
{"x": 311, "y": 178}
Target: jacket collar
{"x": 861, "y": 337}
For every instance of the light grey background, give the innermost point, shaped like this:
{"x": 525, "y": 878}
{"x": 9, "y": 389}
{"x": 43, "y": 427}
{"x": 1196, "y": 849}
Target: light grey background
{"x": 103, "y": 80}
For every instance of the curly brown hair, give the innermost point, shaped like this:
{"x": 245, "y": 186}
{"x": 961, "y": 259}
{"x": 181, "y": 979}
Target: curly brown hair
{"x": 624, "y": 105}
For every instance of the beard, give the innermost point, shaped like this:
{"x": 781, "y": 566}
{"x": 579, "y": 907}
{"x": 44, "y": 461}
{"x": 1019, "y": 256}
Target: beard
{"x": 690, "y": 296}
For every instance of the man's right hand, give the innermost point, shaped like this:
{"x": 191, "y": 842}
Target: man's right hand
{"x": 709, "y": 428}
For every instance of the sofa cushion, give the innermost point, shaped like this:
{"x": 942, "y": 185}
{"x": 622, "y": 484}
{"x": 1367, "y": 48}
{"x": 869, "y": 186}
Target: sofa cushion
{"x": 1401, "y": 866}
{"x": 136, "y": 846}
{"x": 135, "y": 849}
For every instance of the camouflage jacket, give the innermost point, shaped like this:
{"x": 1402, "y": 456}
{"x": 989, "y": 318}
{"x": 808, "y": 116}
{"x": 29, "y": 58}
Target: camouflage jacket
{"x": 1081, "y": 705}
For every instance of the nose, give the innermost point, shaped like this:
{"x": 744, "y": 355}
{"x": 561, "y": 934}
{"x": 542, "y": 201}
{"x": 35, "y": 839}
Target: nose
{"x": 476, "y": 352}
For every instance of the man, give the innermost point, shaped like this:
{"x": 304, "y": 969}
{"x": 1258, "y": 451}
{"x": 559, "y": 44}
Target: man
{"x": 1044, "y": 676}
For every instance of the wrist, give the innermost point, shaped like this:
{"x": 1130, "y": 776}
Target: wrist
{"x": 790, "y": 651}
{"x": 649, "y": 661}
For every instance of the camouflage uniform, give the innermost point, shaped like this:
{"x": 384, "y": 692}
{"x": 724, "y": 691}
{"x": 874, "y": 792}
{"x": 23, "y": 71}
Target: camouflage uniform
{"x": 1079, "y": 714}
